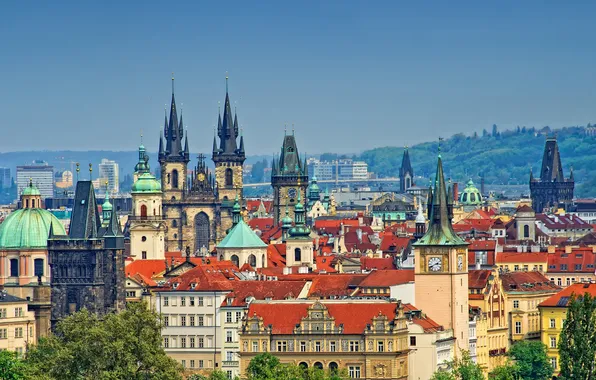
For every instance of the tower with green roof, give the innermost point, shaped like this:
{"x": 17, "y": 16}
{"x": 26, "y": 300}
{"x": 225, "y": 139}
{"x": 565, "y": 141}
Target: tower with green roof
{"x": 299, "y": 244}
{"x": 441, "y": 265}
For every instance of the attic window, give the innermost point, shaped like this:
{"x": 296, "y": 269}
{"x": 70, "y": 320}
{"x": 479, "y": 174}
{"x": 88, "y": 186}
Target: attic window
{"x": 82, "y": 201}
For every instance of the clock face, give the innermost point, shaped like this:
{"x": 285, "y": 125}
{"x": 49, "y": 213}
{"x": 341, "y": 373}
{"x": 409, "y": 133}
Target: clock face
{"x": 434, "y": 264}
{"x": 292, "y": 193}
{"x": 201, "y": 177}
{"x": 460, "y": 262}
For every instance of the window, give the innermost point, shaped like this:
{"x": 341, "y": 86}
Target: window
{"x": 229, "y": 356}
{"x": 192, "y": 342}
{"x": 297, "y": 254}
{"x": 201, "y": 364}
{"x": 229, "y": 177}
{"x": 18, "y": 311}
{"x": 166, "y": 321}
{"x": 238, "y": 316}
{"x": 255, "y": 346}
{"x": 525, "y": 268}
{"x": 228, "y": 337}
{"x": 191, "y": 301}
{"x": 354, "y": 346}
{"x": 553, "y": 342}
{"x": 38, "y": 265}
{"x": 2, "y": 313}
{"x": 200, "y": 301}
{"x": 166, "y": 301}
{"x": 192, "y": 320}
{"x": 282, "y": 346}
{"x": 317, "y": 346}
{"x": 183, "y": 363}
{"x": 183, "y": 320}
{"x": 578, "y": 267}
{"x": 568, "y": 281}
{"x": 182, "y": 301}
{"x": 354, "y": 372}
{"x": 380, "y": 346}
{"x": 518, "y": 328}
{"x": 201, "y": 342}
{"x": 526, "y": 231}
{"x": 183, "y": 342}
{"x": 14, "y": 267}
{"x": 209, "y": 341}
{"x": 3, "y": 333}
{"x": 302, "y": 346}
{"x": 516, "y": 268}
{"x": 553, "y": 362}
{"x": 175, "y": 179}
{"x": 192, "y": 363}
{"x": 18, "y": 332}
{"x": 228, "y": 317}
{"x": 559, "y": 282}
{"x": 516, "y": 304}
{"x": 413, "y": 341}
{"x": 144, "y": 255}
{"x": 563, "y": 266}
{"x": 201, "y": 321}
{"x": 332, "y": 346}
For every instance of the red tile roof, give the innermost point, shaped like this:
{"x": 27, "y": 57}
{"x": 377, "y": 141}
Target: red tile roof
{"x": 478, "y": 279}
{"x": 354, "y": 316}
{"x": 261, "y": 224}
{"x": 521, "y": 257}
{"x": 392, "y": 243}
{"x": 204, "y": 277}
{"x": 370, "y": 263}
{"x": 325, "y": 263}
{"x": 562, "y": 298}
{"x": 148, "y": 268}
{"x": 276, "y": 255}
{"x": 527, "y": 282}
{"x": 580, "y": 260}
{"x": 524, "y": 208}
{"x": 568, "y": 221}
{"x": 334, "y": 285}
{"x": 252, "y": 205}
{"x": 259, "y": 290}
{"x": 422, "y": 320}
{"x": 387, "y": 278}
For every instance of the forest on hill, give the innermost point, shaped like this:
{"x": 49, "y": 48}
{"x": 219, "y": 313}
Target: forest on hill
{"x": 502, "y": 157}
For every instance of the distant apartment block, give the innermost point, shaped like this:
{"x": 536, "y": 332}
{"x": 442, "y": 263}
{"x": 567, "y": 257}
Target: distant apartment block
{"x": 341, "y": 170}
{"x": 108, "y": 171}
{"x": 42, "y": 176}
{"x": 5, "y": 180}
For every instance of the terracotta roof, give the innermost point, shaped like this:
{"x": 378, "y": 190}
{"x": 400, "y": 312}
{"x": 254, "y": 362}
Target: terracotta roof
{"x": 527, "y": 282}
{"x": 247, "y": 268}
{"x": 201, "y": 278}
{"x": 422, "y": 320}
{"x": 568, "y": 221}
{"x": 524, "y": 208}
{"x": 261, "y": 224}
{"x": 478, "y": 279}
{"x": 325, "y": 263}
{"x": 334, "y": 285}
{"x": 482, "y": 245}
{"x": 369, "y": 263}
{"x": 354, "y": 316}
{"x": 148, "y": 268}
{"x": 521, "y": 257}
{"x": 580, "y": 260}
{"x": 259, "y": 290}
{"x": 392, "y": 243}
{"x": 387, "y": 278}
{"x": 562, "y": 298}
{"x": 252, "y": 205}
{"x": 276, "y": 255}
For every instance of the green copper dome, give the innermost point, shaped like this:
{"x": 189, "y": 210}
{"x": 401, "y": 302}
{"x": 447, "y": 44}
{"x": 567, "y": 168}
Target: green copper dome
{"x": 28, "y": 228}
{"x": 31, "y": 190}
{"x": 241, "y": 236}
{"x": 146, "y": 183}
{"x": 470, "y": 196}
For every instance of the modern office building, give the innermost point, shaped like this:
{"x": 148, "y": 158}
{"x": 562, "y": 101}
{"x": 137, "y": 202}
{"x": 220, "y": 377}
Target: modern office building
{"x": 40, "y": 173}
{"x": 108, "y": 171}
{"x": 5, "y": 181}
{"x": 337, "y": 169}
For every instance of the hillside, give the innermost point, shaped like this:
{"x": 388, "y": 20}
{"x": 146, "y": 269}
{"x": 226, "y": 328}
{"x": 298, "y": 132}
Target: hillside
{"x": 502, "y": 157}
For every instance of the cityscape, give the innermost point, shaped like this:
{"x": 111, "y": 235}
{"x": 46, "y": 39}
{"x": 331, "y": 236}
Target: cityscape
{"x": 229, "y": 252}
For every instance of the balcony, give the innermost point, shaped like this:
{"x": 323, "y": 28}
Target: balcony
{"x": 157, "y": 218}
{"x": 230, "y": 363}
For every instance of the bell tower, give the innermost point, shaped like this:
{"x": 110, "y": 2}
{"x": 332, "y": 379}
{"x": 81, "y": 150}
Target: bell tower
{"x": 441, "y": 265}
{"x": 173, "y": 159}
{"x": 228, "y": 158}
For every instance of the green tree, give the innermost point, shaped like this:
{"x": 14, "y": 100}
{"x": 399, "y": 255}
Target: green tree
{"x": 531, "y": 360}
{"x": 577, "y": 342}
{"x": 507, "y": 371}
{"x": 11, "y": 367}
{"x": 123, "y": 346}
{"x": 268, "y": 367}
{"x": 462, "y": 368}
{"x": 214, "y": 375}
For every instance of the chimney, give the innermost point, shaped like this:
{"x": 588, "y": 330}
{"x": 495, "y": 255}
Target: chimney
{"x": 482, "y": 185}
{"x": 455, "y": 192}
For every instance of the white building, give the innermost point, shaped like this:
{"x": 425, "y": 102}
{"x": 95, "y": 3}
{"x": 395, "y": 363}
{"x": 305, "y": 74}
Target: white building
{"x": 341, "y": 170}
{"x": 42, "y": 176}
{"x": 108, "y": 171}
{"x": 5, "y": 179}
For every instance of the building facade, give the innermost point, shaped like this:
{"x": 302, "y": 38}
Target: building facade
{"x": 338, "y": 170}
{"x": 42, "y": 176}
{"x": 17, "y": 324}
{"x": 109, "y": 173}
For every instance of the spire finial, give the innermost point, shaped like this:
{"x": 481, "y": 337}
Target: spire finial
{"x": 90, "y": 172}
{"x": 172, "y": 82}
{"x": 227, "y": 77}
{"x": 107, "y": 190}
{"x": 293, "y": 130}
{"x": 218, "y": 107}
{"x": 439, "y": 147}
{"x": 78, "y": 170}
{"x": 141, "y": 136}
{"x": 285, "y": 129}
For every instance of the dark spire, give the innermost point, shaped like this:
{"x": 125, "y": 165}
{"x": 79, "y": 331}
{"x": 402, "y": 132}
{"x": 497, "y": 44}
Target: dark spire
{"x": 227, "y": 131}
{"x": 241, "y": 150}
{"x": 51, "y": 232}
{"x": 173, "y": 133}
{"x": 186, "y": 152}
{"x": 235, "y": 123}
{"x": 161, "y": 151}
{"x": 84, "y": 221}
{"x": 440, "y": 230}
{"x": 289, "y": 160}
{"x": 552, "y": 169}
{"x": 215, "y": 150}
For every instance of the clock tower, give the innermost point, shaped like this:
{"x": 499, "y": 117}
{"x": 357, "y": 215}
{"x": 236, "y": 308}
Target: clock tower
{"x": 289, "y": 179}
{"x": 441, "y": 266}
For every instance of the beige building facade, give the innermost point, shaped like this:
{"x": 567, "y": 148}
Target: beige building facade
{"x": 17, "y": 324}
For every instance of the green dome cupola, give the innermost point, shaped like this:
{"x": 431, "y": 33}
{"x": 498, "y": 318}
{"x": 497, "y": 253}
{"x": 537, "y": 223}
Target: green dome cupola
{"x": 470, "y": 196}
{"x": 28, "y": 228}
{"x": 146, "y": 184}
{"x": 300, "y": 230}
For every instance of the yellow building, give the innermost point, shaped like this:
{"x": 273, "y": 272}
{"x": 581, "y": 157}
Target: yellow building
{"x": 524, "y": 292}
{"x": 487, "y": 298}
{"x": 553, "y": 312}
{"x": 369, "y": 339}
{"x": 17, "y": 324}
{"x": 522, "y": 261}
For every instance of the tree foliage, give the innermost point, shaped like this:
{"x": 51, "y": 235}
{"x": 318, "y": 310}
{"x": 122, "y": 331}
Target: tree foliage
{"x": 531, "y": 360}
{"x": 507, "y": 371}
{"x": 462, "y": 368}
{"x": 577, "y": 342}
{"x": 268, "y": 367}
{"x": 123, "y": 346}
{"x": 214, "y": 375}
{"x": 11, "y": 367}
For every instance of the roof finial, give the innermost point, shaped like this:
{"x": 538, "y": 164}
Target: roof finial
{"x": 285, "y": 129}
{"x": 293, "y": 130}
{"x": 141, "y": 136}
{"x": 172, "y": 82}
{"x": 439, "y": 148}
{"x": 78, "y": 170}
{"x": 107, "y": 190}
{"x": 90, "y": 172}
{"x": 227, "y": 82}
{"x": 218, "y": 107}
{"x": 242, "y": 130}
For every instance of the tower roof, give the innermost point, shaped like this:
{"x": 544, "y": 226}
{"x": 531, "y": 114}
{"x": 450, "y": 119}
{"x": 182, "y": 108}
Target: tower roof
{"x": 173, "y": 133}
{"x": 84, "y": 222}
{"x": 406, "y": 166}
{"x": 241, "y": 236}
{"x": 289, "y": 160}
{"x": 551, "y": 162}
{"x": 28, "y": 228}
{"x": 227, "y": 131}
{"x": 440, "y": 231}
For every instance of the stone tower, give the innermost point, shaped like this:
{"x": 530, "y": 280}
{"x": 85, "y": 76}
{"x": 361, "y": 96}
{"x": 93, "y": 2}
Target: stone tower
{"x": 406, "y": 174}
{"x": 551, "y": 189}
{"x": 289, "y": 177}
{"x": 87, "y": 265}
{"x": 299, "y": 245}
{"x": 228, "y": 158}
{"x": 441, "y": 270}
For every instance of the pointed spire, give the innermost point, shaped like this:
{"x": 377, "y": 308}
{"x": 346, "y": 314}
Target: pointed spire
{"x": 241, "y": 149}
{"x": 186, "y": 152}
{"x": 214, "y": 145}
{"x": 51, "y": 232}
{"x": 161, "y": 151}
{"x": 236, "y": 212}
{"x": 113, "y": 228}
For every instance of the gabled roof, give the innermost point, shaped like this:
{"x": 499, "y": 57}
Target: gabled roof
{"x": 201, "y": 278}
{"x": 387, "y": 278}
{"x": 580, "y": 260}
{"x": 429, "y": 325}
{"x": 562, "y": 298}
{"x": 148, "y": 268}
{"x": 478, "y": 279}
{"x": 259, "y": 290}
{"x": 379, "y": 263}
{"x": 392, "y": 243}
{"x": 521, "y": 257}
{"x": 241, "y": 236}
{"x": 527, "y": 282}
{"x": 568, "y": 221}
{"x": 334, "y": 285}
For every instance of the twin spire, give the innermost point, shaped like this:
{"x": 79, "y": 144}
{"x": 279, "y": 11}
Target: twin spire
{"x": 173, "y": 133}
{"x": 227, "y": 131}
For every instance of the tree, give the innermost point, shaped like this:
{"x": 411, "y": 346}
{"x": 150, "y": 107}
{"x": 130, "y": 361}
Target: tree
{"x": 507, "y": 371}
{"x": 268, "y": 367}
{"x": 11, "y": 367}
{"x": 531, "y": 360}
{"x": 462, "y": 368}
{"x": 577, "y": 342}
{"x": 495, "y": 132}
{"x": 126, "y": 345}
{"x": 214, "y": 375}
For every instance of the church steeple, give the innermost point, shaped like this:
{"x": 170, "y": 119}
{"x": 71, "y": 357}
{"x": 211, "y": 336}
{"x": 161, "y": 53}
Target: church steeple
{"x": 173, "y": 133}
{"x": 406, "y": 173}
{"x": 227, "y": 131}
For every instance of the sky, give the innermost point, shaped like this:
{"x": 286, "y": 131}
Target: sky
{"x": 349, "y": 75}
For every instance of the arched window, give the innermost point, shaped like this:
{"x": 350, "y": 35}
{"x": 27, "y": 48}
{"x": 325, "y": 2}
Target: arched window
{"x": 175, "y": 179}
{"x": 472, "y": 198}
{"x": 333, "y": 367}
{"x": 252, "y": 260}
{"x": 229, "y": 178}
{"x": 297, "y": 254}
{"x": 235, "y": 260}
{"x": 14, "y": 267}
{"x": 174, "y": 223}
{"x": 143, "y": 211}
{"x": 202, "y": 231}
{"x": 303, "y": 365}
{"x": 27, "y": 203}
{"x": 526, "y": 231}
{"x": 318, "y": 365}
{"x": 408, "y": 183}
{"x": 32, "y": 203}
{"x": 38, "y": 267}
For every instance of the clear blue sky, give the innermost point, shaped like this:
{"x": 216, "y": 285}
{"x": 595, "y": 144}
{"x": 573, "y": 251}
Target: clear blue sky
{"x": 350, "y": 75}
